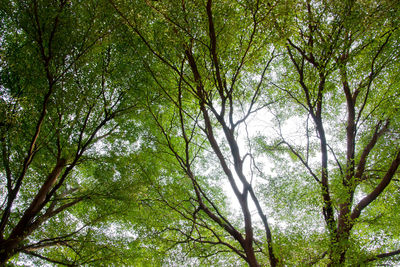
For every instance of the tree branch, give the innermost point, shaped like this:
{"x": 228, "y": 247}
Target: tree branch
{"x": 378, "y": 189}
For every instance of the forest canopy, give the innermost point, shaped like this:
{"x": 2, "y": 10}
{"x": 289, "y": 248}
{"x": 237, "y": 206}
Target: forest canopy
{"x": 199, "y": 133}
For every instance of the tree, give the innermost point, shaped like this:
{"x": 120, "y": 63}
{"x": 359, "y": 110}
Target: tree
{"x": 341, "y": 56}
{"x": 205, "y": 82}
{"x": 63, "y": 98}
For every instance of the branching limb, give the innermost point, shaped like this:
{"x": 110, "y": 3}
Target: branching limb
{"x": 378, "y": 189}
{"x": 379, "y": 131}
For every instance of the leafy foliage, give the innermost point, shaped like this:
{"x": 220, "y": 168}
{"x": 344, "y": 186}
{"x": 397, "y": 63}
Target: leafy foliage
{"x": 199, "y": 133}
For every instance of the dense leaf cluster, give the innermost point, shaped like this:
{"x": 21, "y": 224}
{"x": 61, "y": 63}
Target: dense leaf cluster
{"x": 201, "y": 133}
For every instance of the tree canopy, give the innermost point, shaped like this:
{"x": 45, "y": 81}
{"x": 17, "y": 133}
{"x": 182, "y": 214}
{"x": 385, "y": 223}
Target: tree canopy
{"x": 199, "y": 132}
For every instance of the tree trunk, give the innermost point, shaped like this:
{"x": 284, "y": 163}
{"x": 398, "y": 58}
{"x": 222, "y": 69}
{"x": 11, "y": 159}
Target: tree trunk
{"x": 7, "y": 250}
